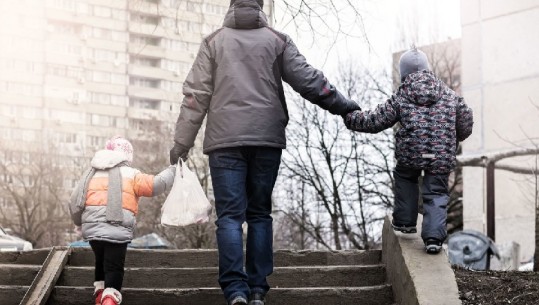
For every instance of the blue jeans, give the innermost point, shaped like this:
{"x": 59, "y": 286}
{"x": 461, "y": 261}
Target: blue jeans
{"x": 243, "y": 179}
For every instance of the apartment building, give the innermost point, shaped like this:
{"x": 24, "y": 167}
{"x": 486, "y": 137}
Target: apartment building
{"x": 76, "y": 72}
{"x": 500, "y": 81}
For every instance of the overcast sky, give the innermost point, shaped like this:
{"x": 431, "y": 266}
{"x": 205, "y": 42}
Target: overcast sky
{"x": 389, "y": 25}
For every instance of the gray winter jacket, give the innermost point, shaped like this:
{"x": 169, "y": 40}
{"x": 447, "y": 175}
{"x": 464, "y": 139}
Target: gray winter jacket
{"x": 90, "y": 210}
{"x": 236, "y": 80}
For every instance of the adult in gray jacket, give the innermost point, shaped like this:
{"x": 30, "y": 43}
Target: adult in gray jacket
{"x": 236, "y": 80}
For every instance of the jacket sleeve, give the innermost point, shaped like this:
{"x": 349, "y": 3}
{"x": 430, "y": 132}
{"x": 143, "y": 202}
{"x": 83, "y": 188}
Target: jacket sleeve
{"x": 311, "y": 83}
{"x": 76, "y": 202}
{"x": 373, "y": 121}
{"x": 75, "y": 209}
{"x": 464, "y": 120}
{"x": 197, "y": 91}
{"x": 163, "y": 181}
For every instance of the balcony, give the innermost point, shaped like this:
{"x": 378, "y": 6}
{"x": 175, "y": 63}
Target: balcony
{"x": 146, "y": 92}
{"x": 152, "y": 72}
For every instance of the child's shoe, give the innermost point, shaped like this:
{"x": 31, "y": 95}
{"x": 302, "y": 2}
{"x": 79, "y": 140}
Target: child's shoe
{"x": 111, "y": 296}
{"x": 99, "y": 286}
{"x": 404, "y": 229}
{"x": 433, "y": 246}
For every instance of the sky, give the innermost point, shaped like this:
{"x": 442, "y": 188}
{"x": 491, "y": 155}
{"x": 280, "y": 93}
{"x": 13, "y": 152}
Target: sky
{"x": 389, "y": 26}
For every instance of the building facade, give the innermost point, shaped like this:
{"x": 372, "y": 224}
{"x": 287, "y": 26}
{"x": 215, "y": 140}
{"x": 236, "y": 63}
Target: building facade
{"x": 73, "y": 73}
{"x": 500, "y": 81}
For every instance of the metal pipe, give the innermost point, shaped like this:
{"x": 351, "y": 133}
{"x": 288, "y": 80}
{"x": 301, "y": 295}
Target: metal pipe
{"x": 491, "y": 206}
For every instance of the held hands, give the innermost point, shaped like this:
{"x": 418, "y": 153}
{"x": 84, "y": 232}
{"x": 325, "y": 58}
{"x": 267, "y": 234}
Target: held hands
{"x": 350, "y": 107}
{"x": 178, "y": 151}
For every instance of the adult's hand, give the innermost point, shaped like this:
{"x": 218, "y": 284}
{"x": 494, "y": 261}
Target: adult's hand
{"x": 350, "y": 107}
{"x": 177, "y": 152}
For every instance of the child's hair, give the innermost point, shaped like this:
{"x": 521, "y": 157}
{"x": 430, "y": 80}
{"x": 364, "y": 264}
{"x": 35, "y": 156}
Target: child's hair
{"x": 119, "y": 143}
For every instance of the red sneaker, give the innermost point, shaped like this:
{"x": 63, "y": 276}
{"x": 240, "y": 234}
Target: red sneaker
{"x": 111, "y": 296}
{"x": 98, "y": 291}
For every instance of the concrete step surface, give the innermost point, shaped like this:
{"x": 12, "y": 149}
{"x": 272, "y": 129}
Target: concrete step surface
{"x": 209, "y": 258}
{"x": 374, "y": 295}
{"x": 165, "y": 277}
{"x": 290, "y": 277}
{"x": 22, "y": 275}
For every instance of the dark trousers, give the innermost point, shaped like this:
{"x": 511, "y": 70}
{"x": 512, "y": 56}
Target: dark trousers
{"x": 435, "y": 195}
{"x": 243, "y": 179}
{"x": 109, "y": 263}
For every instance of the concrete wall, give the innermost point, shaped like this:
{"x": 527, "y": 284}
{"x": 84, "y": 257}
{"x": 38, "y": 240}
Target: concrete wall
{"x": 500, "y": 81}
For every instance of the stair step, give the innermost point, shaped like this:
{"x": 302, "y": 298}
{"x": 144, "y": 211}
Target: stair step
{"x": 312, "y": 276}
{"x": 18, "y": 274}
{"x": 33, "y": 257}
{"x": 12, "y": 295}
{"x": 209, "y": 258}
{"x": 375, "y": 295}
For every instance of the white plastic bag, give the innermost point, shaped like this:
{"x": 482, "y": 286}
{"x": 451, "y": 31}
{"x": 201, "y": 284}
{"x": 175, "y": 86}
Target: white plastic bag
{"x": 186, "y": 203}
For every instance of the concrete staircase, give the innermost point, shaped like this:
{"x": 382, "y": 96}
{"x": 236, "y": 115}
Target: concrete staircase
{"x": 190, "y": 277}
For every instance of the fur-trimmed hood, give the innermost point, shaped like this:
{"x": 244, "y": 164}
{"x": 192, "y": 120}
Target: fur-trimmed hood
{"x": 105, "y": 159}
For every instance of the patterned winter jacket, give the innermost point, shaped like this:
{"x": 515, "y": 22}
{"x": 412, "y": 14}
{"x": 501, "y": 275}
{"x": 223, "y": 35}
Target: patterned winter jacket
{"x": 432, "y": 117}
{"x": 135, "y": 184}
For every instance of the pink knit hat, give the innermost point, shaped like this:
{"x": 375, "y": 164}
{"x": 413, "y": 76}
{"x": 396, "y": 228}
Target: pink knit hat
{"x": 119, "y": 143}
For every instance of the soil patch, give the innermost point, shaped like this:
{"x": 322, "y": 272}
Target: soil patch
{"x": 497, "y": 287}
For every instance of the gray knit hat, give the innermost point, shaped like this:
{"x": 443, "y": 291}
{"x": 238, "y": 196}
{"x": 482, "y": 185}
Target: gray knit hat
{"x": 412, "y": 61}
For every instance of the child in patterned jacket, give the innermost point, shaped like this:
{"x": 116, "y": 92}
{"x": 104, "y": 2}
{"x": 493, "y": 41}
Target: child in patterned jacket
{"x": 105, "y": 205}
{"x": 433, "y": 120}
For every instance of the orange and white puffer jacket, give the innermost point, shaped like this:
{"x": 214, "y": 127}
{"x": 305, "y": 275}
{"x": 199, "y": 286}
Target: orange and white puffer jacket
{"x": 135, "y": 184}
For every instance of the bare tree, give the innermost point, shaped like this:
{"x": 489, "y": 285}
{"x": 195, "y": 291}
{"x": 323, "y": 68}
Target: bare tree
{"x": 345, "y": 178}
{"x": 33, "y": 190}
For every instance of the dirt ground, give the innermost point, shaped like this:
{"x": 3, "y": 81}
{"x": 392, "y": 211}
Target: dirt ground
{"x": 497, "y": 287}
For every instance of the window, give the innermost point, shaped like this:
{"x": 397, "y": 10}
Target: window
{"x": 102, "y": 11}
{"x": 118, "y": 100}
{"x": 120, "y": 15}
{"x": 96, "y": 141}
{"x": 21, "y": 66}
{"x": 30, "y": 112}
{"x": 22, "y": 89}
{"x": 107, "y": 99}
{"x": 63, "y": 28}
{"x": 215, "y": 9}
{"x": 194, "y": 7}
{"x": 65, "y": 71}
{"x": 65, "y": 138}
{"x": 144, "y": 103}
{"x": 64, "y": 48}
{"x": 66, "y": 116}
{"x": 144, "y": 82}
{"x": 107, "y": 121}
{"x": 144, "y": 40}
{"x": 118, "y": 79}
{"x": 9, "y": 110}
{"x": 99, "y": 76}
{"x": 145, "y": 61}
{"x": 69, "y": 5}
{"x": 146, "y": 19}
{"x": 171, "y": 86}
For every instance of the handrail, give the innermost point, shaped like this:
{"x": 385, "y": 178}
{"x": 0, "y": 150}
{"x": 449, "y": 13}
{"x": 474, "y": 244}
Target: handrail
{"x": 44, "y": 282}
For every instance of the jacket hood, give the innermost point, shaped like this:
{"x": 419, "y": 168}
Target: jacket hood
{"x": 245, "y": 14}
{"x": 422, "y": 88}
{"x": 105, "y": 159}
